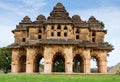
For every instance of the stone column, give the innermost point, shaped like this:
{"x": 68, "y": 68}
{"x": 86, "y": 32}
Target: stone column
{"x": 15, "y": 61}
{"x": 102, "y": 67}
{"x": 68, "y": 67}
{"x": 86, "y": 60}
{"x": 47, "y": 67}
{"x": 68, "y": 59}
{"x": 47, "y": 60}
{"x": 87, "y": 66}
{"x": 102, "y": 63}
{"x": 31, "y": 52}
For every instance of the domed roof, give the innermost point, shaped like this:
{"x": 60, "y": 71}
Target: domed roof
{"x": 26, "y": 19}
{"x": 41, "y": 18}
{"x": 76, "y": 18}
{"x": 92, "y": 19}
{"x": 59, "y": 5}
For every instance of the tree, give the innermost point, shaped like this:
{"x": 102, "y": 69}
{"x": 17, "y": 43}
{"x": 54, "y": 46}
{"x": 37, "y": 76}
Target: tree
{"x": 76, "y": 65}
{"x": 5, "y": 59}
{"x": 59, "y": 66}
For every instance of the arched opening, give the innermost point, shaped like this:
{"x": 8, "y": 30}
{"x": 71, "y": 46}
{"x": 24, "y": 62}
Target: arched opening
{"x": 58, "y": 63}
{"x": 94, "y": 64}
{"x": 22, "y": 64}
{"x": 65, "y": 34}
{"x": 93, "y": 34}
{"x": 39, "y": 31}
{"x": 52, "y": 34}
{"x": 77, "y": 31}
{"x": 78, "y": 64}
{"x": 38, "y": 63}
{"x": 59, "y": 27}
{"x": 65, "y": 28}
{"x": 77, "y": 37}
{"x": 52, "y": 27}
{"x": 39, "y": 36}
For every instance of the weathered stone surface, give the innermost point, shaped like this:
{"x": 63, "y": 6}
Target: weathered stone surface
{"x": 58, "y": 35}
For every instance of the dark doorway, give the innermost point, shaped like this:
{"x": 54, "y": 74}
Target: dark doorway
{"x": 22, "y": 64}
{"x": 38, "y": 63}
{"x": 78, "y": 64}
{"x": 58, "y": 63}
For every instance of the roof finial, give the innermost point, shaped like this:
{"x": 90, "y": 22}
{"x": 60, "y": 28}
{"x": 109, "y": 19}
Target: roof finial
{"x": 59, "y": 5}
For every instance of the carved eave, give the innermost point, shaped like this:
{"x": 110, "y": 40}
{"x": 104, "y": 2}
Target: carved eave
{"x": 18, "y": 30}
{"x": 13, "y": 46}
{"x": 103, "y": 46}
{"x": 59, "y": 22}
{"x": 78, "y": 44}
{"x": 99, "y": 30}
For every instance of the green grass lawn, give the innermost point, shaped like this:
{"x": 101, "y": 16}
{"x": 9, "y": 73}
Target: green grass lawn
{"x": 58, "y": 78}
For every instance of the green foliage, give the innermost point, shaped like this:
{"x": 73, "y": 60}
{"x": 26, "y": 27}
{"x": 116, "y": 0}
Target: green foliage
{"x": 94, "y": 70}
{"x": 5, "y": 59}
{"x": 59, "y": 66}
{"x": 76, "y": 66}
{"x": 118, "y": 72}
{"x": 110, "y": 45}
{"x": 41, "y": 66}
{"x": 102, "y": 24}
{"x": 58, "y": 78}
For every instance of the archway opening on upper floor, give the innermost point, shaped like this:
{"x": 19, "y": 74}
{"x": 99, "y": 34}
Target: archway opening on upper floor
{"x": 58, "y": 63}
{"x": 78, "y": 64}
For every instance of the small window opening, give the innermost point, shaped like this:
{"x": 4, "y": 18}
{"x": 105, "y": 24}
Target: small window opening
{"x": 93, "y": 34}
{"x": 52, "y": 27}
{"x": 52, "y": 34}
{"x": 77, "y": 36}
{"x": 58, "y": 27}
{"x": 93, "y": 39}
{"x": 77, "y": 31}
{"x": 58, "y": 34}
{"x": 39, "y": 31}
{"x": 23, "y": 40}
{"x": 39, "y": 36}
{"x": 65, "y": 28}
{"x": 65, "y": 34}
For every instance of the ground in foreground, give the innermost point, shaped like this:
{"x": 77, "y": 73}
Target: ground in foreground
{"x": 58, "y": 78}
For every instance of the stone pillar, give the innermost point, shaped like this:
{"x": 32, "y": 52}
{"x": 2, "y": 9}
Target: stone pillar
{"x": 102, "y": 62}
{"x": 31, "y": 52}
{"x": 102, "y": 67}
{"x": 86, "y": 60}
{"x": 68, "y": 67}
{"x": 15, "y": 61}
{"x": 47, "y": 60}
{"x": 68, "y": 59}
{"x": 87, "y": 66}
{"x": 47, "y": 67}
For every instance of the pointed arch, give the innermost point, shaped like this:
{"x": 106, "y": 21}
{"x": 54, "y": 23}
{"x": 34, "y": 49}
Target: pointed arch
{"x": 97, "y": 58}
{"x": 59, "y": 27}
{"x": 22, "y": 63}
{"x": 36, "y": 64}
{"x": 78, "y": 63}
{"x": 77, "y": 31}
{"x": 58, "y": 62}
{"x": 65, "y": 28}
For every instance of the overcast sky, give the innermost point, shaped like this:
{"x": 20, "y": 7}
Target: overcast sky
{"x": 108, "y": 11}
